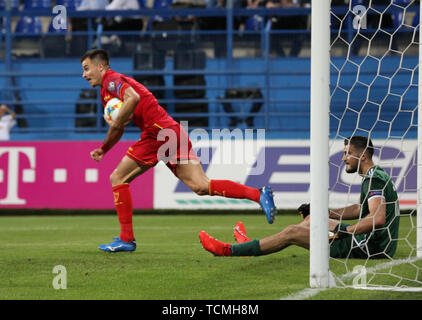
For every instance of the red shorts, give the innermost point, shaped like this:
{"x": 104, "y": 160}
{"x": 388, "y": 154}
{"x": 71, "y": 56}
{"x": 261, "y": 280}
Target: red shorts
{"x": 170, "y": 145}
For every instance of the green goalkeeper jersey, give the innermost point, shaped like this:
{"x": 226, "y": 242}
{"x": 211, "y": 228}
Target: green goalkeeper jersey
{"x": 377, "y": 183}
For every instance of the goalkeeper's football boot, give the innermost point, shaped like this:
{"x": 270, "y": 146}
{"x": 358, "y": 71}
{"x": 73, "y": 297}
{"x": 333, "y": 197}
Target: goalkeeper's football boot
{"x": 118, "y": 245}
{"x": 240, "y": 233}
{"x": 266, "y": 201}
{"x": 214, "y": 246}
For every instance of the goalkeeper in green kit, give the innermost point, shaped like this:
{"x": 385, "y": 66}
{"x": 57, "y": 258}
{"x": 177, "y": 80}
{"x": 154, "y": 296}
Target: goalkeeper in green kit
{"x": 373, "y": 236}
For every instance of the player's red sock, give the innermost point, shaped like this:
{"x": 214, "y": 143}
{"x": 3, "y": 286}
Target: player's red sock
{"x": 231, "y": 189}
{"x": 123, "y": 203}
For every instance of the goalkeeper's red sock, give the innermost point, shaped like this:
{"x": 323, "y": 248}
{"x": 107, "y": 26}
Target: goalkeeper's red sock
{"x": 231, "y": 189}
{"x": 123, "y": 203}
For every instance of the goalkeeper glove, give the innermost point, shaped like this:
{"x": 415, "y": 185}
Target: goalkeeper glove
{"x": 339, "y": 232}
{"x": 304, "y": 210}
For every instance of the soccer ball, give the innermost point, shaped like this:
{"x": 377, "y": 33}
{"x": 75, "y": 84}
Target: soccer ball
{"x": 112, "y": 108}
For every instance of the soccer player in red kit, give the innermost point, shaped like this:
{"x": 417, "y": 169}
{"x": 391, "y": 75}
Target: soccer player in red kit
{"x": 140, "y": 106}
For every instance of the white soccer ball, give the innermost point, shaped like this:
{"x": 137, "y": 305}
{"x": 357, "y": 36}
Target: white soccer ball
{"x": 112, "y": 108}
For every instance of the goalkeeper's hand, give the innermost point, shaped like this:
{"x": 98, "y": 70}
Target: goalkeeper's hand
{"x": 304, "y": 210}
{"x": 339, "y": 232}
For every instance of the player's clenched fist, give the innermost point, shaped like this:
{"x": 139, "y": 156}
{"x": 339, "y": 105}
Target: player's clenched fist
{"x": 97, "y": 154}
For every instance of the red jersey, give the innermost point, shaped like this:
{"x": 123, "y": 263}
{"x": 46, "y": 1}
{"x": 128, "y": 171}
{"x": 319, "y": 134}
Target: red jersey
{"x": 148, "y": 112}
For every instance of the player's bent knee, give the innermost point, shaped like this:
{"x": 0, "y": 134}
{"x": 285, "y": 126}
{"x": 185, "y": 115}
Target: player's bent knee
{"x": 291, "y": 232}
{"x": 116, "y": 179}
{"x": 198, "y": 190}
{"x": 298, "y": 235}
{"x": 202, "y": 193}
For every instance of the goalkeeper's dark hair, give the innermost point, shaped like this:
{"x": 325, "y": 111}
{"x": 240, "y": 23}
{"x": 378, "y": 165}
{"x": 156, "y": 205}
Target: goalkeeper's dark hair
{"x": 97, "y": 54}
{"x": 362, "y": 144}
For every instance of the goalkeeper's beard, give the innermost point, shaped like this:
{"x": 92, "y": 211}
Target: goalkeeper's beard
{"x": 350, "y": 169}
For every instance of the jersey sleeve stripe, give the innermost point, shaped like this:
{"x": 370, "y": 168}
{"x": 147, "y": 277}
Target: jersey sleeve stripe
{"x": 122, "y": 90}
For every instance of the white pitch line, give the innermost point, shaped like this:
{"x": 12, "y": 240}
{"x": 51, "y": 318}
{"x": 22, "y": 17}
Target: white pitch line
{"x": 310, "y": 292}
{"x": 303, "y": 294}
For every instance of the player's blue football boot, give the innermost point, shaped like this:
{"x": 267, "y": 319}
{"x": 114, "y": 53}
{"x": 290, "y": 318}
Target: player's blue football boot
{"x": 118, "y": 246}
{"x": 266, "y": 201}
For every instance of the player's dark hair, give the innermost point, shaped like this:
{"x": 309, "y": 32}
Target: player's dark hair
{"x": 97, "y": 54}
{"x": 361, "y": 143}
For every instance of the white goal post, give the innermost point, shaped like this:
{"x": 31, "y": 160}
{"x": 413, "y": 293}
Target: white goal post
{"x": 419, "y": 157}
{"x": 320, "y": 275}
{"x": 319, "y": 150}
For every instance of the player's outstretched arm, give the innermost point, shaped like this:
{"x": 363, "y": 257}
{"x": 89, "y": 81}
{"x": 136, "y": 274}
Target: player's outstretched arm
{"x": 347, "y": 213}
{"x": 375, "y": 219}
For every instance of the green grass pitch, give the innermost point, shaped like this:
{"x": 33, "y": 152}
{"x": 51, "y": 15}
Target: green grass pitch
{"x": 169, "y": 264}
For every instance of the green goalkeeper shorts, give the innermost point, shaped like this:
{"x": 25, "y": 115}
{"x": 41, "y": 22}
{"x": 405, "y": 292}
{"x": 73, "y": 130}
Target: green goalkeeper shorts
{"x": 350, "y": 247}
{"x": 362, "y": 246}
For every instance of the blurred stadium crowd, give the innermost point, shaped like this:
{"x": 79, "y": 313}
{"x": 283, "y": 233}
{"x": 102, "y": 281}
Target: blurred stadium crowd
{"x": 203, "y": 59}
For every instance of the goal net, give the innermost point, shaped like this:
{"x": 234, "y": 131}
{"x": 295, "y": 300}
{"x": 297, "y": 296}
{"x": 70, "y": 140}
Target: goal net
{"x": 374, "y": 50}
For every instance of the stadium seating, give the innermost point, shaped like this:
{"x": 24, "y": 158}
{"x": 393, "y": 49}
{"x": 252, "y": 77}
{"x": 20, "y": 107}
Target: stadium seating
{"x": 69, "y": 4}
{"x": 397, "y": 12}
{"x": 88, "y": 109}
{"x": 283, "y": 82}
{"x": 142, "y": 4}
{"x": 36, "y": 4}
{"x": 54, "y": 43}
{"x": 28, "y": 34}
{"x": 289, "y": 101}
{"x": 159, "y": 4}
{"x": 29, "y": 25}
{"x": 244, "y": 94}
{"x": 14, "y": 4}
{"x": 164, "y": 41}
{"x": 190, "y": 60}
{"x": 151, "y": 61}
{"x": 29, "y": 29}
{"x": 254, "y": 23}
